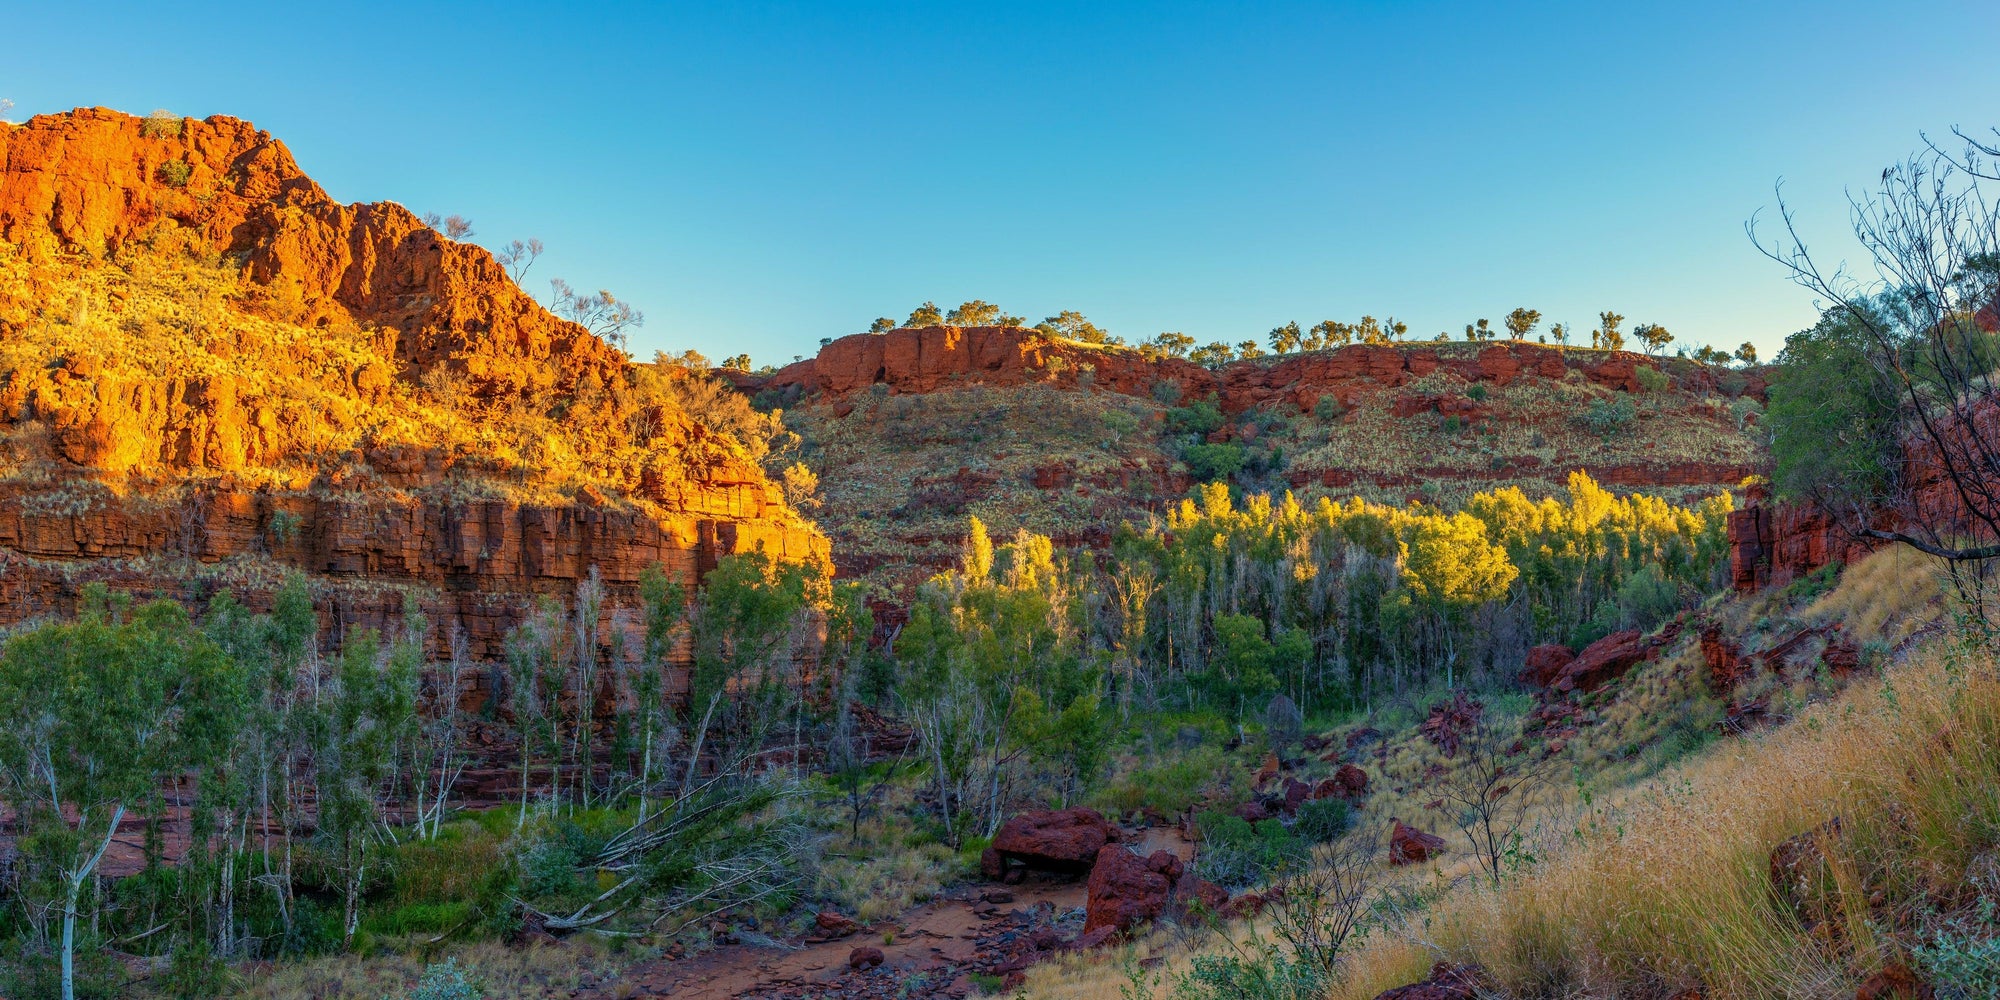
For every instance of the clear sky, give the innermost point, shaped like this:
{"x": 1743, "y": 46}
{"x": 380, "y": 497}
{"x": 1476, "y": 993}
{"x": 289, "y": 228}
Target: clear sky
{"x": 756, "y": 176}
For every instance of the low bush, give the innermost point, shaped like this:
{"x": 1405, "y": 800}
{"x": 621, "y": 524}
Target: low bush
{"x": 1962, "y": 961}
{"x": 1259, "y": 974}
{"x": 1322, "y": 821}
{"x": 1171, "y": 787}
{"x": 1203, "y": 416}
{"x": 1606, "y": 418}
{"x": 444, "y": 981}
{"x": 1213, "y": 462}
{"x": 1237, "y": 854}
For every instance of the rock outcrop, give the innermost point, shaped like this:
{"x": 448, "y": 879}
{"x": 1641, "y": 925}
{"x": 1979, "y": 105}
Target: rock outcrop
{"x": 1601, "y": 661}
{"x": 927, "y": 359}
{"x": 93, "y": 180}
{"x": 1066, "y": 841}
{"x": 183, "y": 479}
{"x": 1126, "y": 890}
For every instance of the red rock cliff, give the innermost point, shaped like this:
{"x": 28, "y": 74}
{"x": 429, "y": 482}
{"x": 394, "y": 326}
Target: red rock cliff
{"x": 933, "y": 358}
{"x": 140, "y": 478}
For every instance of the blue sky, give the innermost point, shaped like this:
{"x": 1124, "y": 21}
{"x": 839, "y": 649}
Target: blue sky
{"x": 757, "y": 176}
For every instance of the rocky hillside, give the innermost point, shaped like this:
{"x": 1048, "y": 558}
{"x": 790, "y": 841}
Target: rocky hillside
{"x": 916, "y": 429}
{"x": 212, "y": 372}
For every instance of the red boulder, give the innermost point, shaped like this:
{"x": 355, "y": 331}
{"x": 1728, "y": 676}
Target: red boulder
{"x": 1409, "y": 845}
{"x": 1066, "y": 840}
{"x": 1127, "y": 890}
{"x": 864, "y": 958}
{"x": 1349, "y": 782}
{"x": 1546, "y": 663}
{"x": 1601, "y": 661}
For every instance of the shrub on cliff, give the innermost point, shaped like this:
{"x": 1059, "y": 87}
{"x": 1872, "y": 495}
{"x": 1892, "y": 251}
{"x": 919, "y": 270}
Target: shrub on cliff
{"x": 1608, "y": 417}
{"x": 1214, "y": 462}
{"x": 1832, "y": 416}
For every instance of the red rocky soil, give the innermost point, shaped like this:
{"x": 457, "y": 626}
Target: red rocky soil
{"x": 931, "y": 950}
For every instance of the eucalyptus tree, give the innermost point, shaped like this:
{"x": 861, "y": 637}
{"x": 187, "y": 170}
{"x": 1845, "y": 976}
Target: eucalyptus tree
{"x": 94, "y": 715}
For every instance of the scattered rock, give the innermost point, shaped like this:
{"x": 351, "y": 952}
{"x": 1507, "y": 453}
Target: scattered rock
{"x": 1842, "y": 655}
{"x": 1409, "y": 845}
{"x": 1065, "y": 841}
{"x": 1446, "y": 982}
{"x": 1727, "y": 666}
{"x": 1349, "y": 782}
{"x": 835, "y": 925}
{"x": 1451, "y": 720}
{"x": 1896, "y": 981}
{"x": 1253, "y": 811}
{"x": 1267, "y": 771}
{"x": 864, "y": 957}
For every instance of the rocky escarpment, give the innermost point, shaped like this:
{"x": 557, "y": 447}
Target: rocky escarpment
{"x": 214, "y": 373}
{"x": 934, "y": 358}
{"x": 93, "y": 180}
{"x": 914, "y": 430}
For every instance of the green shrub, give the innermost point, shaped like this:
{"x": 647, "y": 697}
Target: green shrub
{"x": 1647, "y": 598}
{"x": 1652, "y": 379}
{"x": 444, "y": 981}
{"x": 1236, "y": 854}
{"x": 1963, "y": 960}
{"x": 419, "y": 918}
{"x": 1477, "y": 393}
{"x": 1171, "y": 786}
{"x": 1120, "y": 422}
{"x": 1322, "y": 821}
{"x": 1602, "y": 622}
{"x": 28, "y": 973}
{"x": 175, "y": 173}
{"x": 1167, "y": 392}
{"x": 1607, "y": 417}
{"x": 1210, "y": 462}
{"x": 1329, "y": 408}
{"x": 1263, "y": 974}
{"x": 1203, "y": 416}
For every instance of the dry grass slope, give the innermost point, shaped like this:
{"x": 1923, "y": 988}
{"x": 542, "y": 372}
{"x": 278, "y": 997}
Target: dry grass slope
{"x": 1652, "y": 880}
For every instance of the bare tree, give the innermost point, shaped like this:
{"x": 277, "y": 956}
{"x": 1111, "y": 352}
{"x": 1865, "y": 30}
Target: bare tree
{"x": 1318, "y": 910}
{"x": 602, "y": 313}
{"x": 456, "y": 227}
{"x": 1927, "y": 312}
{"x": 517, "y": 257}
{"x": 1488, "y": 794}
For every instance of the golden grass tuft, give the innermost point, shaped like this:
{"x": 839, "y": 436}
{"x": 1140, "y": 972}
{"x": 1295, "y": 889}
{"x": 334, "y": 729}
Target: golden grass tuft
{"x": 1890, "y": 596}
